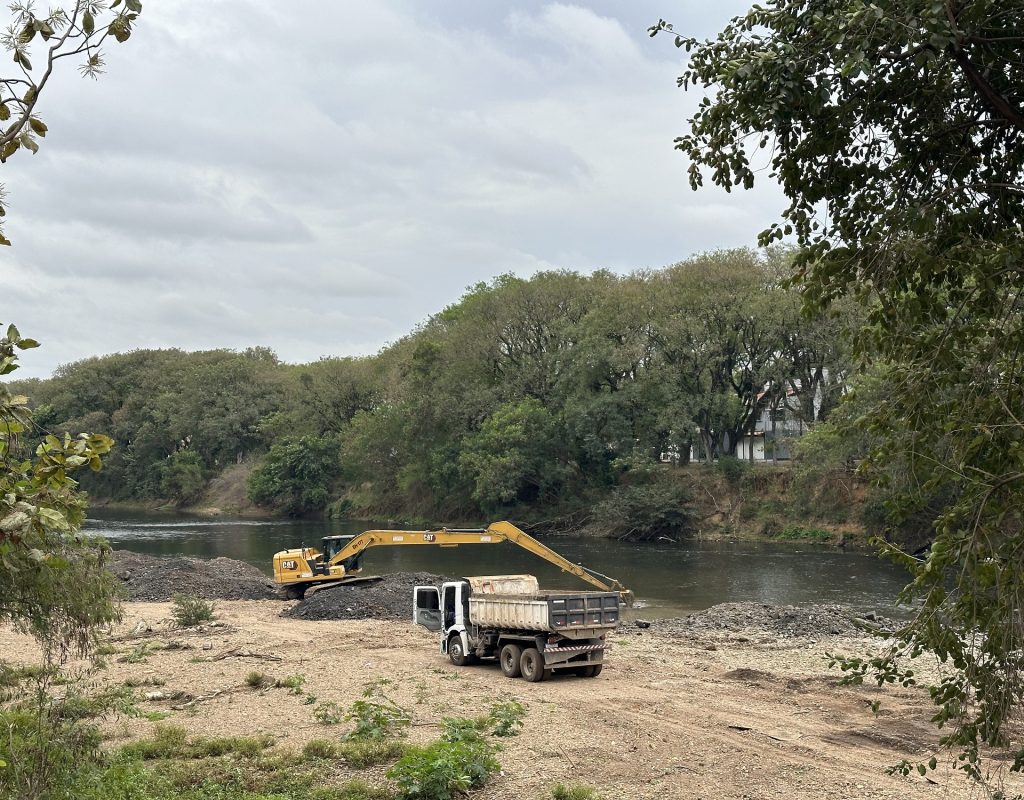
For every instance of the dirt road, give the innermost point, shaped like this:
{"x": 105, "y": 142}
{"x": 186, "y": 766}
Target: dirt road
{"x": 693, "y": 714}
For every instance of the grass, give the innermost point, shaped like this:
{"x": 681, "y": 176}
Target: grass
{"x": 256, "y": 679}
{"x": 173, "y": 742}
{"x": 798, "y": 533}
{"x": 369, "y": 753}
{"x": 574, "y": 791}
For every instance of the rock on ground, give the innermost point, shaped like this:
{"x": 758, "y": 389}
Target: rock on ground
{"x": 812, "y": 622}
{"x": 158, "y": 578}
{"x": 388, "y": 598}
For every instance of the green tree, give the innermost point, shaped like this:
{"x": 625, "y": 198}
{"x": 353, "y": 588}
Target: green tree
{"x": 53, "y": 583}
{"x": 296, "y": 475}
{"x": 80, "y": 32}
{"x": 896, "y": 131}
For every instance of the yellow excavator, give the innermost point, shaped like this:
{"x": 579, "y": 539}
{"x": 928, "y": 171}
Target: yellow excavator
{"x": 340, "y": 559}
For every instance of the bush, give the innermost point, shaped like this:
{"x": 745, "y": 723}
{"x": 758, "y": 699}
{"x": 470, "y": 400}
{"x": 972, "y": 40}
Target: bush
{"x": 296, "y": 475}
{"x": 375, "y": 716}
{"x": 189, "y": 611}
{"x": 798, "y": 533}
{"x": 256, "y": 679}
{"x": 442, "y": 770}
{"x": 507, "y": 718}
{"x": 328, "y": 713}
{"x": 645, "y": 512}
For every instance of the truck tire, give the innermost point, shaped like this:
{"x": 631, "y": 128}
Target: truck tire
{"x": 593, "y": 671}
{"x": 456, "y": 653}
{"x": 509, "y": 659}
{"x": 531, "y": 664}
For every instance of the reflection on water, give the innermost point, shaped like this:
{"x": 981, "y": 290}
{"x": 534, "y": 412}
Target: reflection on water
{"x": 667, "y": 579}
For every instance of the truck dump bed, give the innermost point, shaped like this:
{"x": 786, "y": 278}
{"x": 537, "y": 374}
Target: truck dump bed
{"x": 560, "y": 611}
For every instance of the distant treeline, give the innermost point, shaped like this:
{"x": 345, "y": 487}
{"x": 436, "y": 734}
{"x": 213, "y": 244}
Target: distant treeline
{"x": 539, "y": 394}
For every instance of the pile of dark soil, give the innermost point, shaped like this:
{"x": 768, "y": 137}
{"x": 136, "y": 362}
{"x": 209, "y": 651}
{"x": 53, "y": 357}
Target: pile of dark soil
{"x": 811, "y": 622}
{"x": 388, "y": 598}
{"x": 158, "y": 578}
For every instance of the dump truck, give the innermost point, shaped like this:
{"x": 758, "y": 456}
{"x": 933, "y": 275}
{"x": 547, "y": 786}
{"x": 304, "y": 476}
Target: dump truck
{"x": 340, "y": 559}
{"x": 533, "y": 633}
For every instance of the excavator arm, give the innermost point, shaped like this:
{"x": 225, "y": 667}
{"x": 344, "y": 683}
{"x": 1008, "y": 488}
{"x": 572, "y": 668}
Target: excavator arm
{"x": 346, "y": 561}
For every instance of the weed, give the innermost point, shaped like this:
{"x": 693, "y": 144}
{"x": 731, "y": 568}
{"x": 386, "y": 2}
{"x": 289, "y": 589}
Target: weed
{"x": 320, "y": 748}
{"x": 293, "y": 682}
{"x": 155, "y": 716}
{"x": 328, "y": 713}
{"x": 574, "y": 791}
{"x": 442, "y": 770}
{"x": 133, "y": 682}
{"x": 370, "y": 752}
{"x": 172, "y": 741}
{"x": 137, "y": 655}
{"x": 256, "y": 679}
{"x": 455, "y": 729}
{"x": 376, "y": 716}
{"x": 106, "y": 650}
{"x": 189, "y": 611}
{"x": 507, "y": 718}
{"x": 309, "y": 699}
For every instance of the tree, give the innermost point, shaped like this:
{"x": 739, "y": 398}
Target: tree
{"x": 297, "y": 475}
{"x": 54, "y": 583}
{"x": 896, "y": 130}
{"x": 78, "y": 32}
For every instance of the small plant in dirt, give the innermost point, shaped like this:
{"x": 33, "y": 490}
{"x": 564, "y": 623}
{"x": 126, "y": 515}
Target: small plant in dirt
{"x": 173, "y": 741}
{"x": 189, "y": 611}
{"x": 320, "y": 748}
{"x": 328, "y": 713}
{"x": 574, "y": 791}
{"x": 292, "y": 682}
{"x": 309, "y": 699}
{"x": 507, "y": 718}
{"x": 256, "y": 679}
{"x": 370, "y": 752}
{"x": 457, "y": 729}
{"x": 443, "y": 770}
{"x": 376, "y": 716}
{"x": 137, "y": 655}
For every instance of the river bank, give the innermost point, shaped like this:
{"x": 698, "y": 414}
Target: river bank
{"x": 739, "y": 709}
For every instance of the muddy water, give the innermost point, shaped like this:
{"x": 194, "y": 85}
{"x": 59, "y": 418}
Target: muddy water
{"x": 668, "y": 579}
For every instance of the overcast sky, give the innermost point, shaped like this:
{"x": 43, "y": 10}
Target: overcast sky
{"x": 318, "y": 178}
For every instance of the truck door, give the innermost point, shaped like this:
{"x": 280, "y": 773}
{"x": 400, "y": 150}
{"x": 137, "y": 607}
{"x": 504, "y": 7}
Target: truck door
{"x": 426, "y": 607}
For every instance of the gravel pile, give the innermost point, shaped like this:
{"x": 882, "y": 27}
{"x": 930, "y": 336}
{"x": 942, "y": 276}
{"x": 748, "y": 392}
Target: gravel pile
{"x": 158, "y": 578}
{"x": 388, "y": 598}
{"x": 812, "y": 622}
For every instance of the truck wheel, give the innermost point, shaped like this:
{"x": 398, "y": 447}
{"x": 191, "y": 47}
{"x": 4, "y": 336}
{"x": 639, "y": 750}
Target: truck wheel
{"x": 593, "y": 671}
{"x": 531, "y": 663}
{"x": 455, "y": 652}
{"x": 509, "y": 658}
{"x": 295, "y": 592}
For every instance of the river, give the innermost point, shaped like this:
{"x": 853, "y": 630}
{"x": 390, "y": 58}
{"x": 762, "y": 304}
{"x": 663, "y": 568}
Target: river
{"x": 667, "y": 579}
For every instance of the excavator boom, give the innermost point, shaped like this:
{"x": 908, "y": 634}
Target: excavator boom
{"x": 293, "y": 568}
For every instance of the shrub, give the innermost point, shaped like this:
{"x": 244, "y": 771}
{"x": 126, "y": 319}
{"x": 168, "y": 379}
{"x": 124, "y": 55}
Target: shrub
{"x": 376, "y": 716}
{"x": 797, "y": 533}
{"x": 442, "y": 770}
{"x": 189, "y": 611}
{"x": 328, "y": 713}
{"x": 645, "y": 512}
{"x": 292, "y": 682}
{"x": 507, "y": 718}
{"x": 256, "y": 679}
{"x": 320, "y": 748}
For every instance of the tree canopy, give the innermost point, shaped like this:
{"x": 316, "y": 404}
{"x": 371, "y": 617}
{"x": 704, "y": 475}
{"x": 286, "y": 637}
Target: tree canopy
{"x": 896, "y": 131}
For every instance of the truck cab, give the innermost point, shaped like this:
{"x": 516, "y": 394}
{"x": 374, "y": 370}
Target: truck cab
{"x": 445, "y": 610}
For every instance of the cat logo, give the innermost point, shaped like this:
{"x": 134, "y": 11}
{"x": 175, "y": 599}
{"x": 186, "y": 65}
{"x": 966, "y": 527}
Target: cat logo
{"x": 289, "y": 565}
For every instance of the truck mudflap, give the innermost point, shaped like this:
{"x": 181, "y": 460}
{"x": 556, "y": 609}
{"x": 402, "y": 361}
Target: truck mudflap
{"x": 576, "y": 648}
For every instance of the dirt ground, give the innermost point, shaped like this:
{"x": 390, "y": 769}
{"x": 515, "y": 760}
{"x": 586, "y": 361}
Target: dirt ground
{"x": 690, "y": 714}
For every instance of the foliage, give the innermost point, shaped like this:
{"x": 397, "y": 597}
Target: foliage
{"x": 328, "y": 713}
{"x": 646, "y": 511}
{"x": 173, "y": 741}
{"x": 296, "y": 475}
{"x": 181, "y": 476}
{"x": 55, "y": 584}
{"x": 362, "y": 753}
{"x": 376, "y": 716}
{"x": 443, "y": 769}
{"x": 187, "y": 611}
{"x": 255, "y": 679}
{"x": 507, "y": 718}
{"x": 794, "y": 533}
{"x": 292, "y": 682}
{"x": 81, "y": 30}
{"x": 896, "y": 131}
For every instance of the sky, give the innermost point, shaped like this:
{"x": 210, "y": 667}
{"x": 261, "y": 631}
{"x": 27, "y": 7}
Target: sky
{"x": 319, "y": 178}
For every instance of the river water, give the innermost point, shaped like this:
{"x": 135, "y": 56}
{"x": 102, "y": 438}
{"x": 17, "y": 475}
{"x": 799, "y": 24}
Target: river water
{"x": 667, "y": 579}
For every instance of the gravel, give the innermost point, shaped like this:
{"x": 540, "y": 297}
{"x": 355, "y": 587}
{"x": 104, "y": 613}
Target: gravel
{"x": 388, "y": 598}
{"x": 158, "y": 578}
{"x": 810, "y": 622}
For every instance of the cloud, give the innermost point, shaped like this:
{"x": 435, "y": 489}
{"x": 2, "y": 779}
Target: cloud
{"x": 319, "y": 178}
